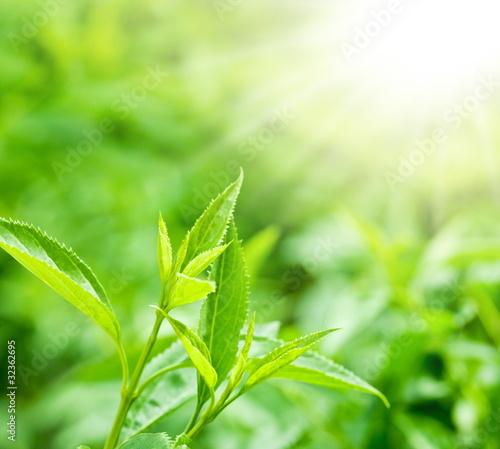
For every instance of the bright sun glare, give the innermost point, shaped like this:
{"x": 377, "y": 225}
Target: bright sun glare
{"x": 432, "y": 47}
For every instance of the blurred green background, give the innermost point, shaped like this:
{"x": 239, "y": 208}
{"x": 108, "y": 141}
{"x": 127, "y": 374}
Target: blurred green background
{"x": 370, "y": 203}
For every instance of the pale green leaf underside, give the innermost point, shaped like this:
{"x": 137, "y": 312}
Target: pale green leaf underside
{"x": 148, "y": 441}
{"x": 224, "y": 312}
{"x": 315, "y": 369}
{"x": 164, "y": 251}
{"x": 209, "y": 229}
{"x": 197, "y": 351}
{"x": 188, "y": 290}
{"x": 164, "y": 395}
{"x": 282, "y": 356}
{"x": 331, "y": 375}
{"x": 61, "y": 269}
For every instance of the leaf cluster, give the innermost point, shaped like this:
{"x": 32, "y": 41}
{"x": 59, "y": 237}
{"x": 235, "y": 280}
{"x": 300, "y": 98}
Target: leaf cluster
{"x": 227, "y": 360}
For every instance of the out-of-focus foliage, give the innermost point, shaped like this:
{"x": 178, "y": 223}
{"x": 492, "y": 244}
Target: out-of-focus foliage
{"x": 111, "y": 111}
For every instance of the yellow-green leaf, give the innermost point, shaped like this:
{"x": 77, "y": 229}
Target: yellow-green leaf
{"x": 209, "y": 229}
{"x": 188, "y": 290}
{"x": 164, "y": 251}
{"x": 203, "y": 261}
{"x": 312, "y": 368}
{"x": 61, "y": 269}
{"x": 197, "y": 351}
{"x": 282, "y": 356}
{"x": 181, "y": 254}
{"x": 242, "y": 360}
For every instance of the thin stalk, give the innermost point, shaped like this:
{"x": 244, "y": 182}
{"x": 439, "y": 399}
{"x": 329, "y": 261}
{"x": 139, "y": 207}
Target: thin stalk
{"x": 125, "y": 403}
{"x": 125, "y": 370}
{"x": 129, "y": 396}
{"x": 129, "y": 393}
{"x": 193, "y": 419}
{"x": 197, "y": 411}
{"x": 211, "y": 413}
{"x": 197, "y": 428}
{"x": 218, "y": 411}
{"x": 205, "y": 419}
{"x": 160, "y": 373}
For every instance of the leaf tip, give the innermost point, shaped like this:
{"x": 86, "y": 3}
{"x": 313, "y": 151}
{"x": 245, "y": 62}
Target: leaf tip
{"x": 384, "y": 399}
{"x": 241, "y": 176}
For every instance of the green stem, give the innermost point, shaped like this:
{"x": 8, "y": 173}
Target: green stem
{"x": 205, "y": 419}
{"x": 125, "y": 371}
{"x": 129, "y": 390}
{"x": 211, "y": 413}
{"x": 160, "y": 373}
{"x": 219, "y": 410}
{"x": 197, "y": 429}
{"x": 129, "y": 396}
{"x": 193, "y": 419}
{"x": 125, "y": 403}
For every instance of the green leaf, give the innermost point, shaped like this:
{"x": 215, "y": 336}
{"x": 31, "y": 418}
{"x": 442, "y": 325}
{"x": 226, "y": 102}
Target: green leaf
{"x": 315, "y": 369}
{"x": 241, "y": 362}
{"x": 61, "y": 269}
{"x": 188, "y": 290}
{"x": 224, "y": 312}
{"x": 164, "y": 251}
{"x": 164, "y": 395}
{"x": 183, "y": 442}
{"x": 203, "y": 260}
{"x": 83, "y": 447}
{"x": 197, "y": 351}
{"x": 181, "y": 254}
{"x": 148, "y": 441}
{"x": 280, "y": 357}
{"x": 209, "y": 229}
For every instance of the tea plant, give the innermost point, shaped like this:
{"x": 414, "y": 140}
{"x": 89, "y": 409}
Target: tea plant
{"x": 228, "y": 360}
